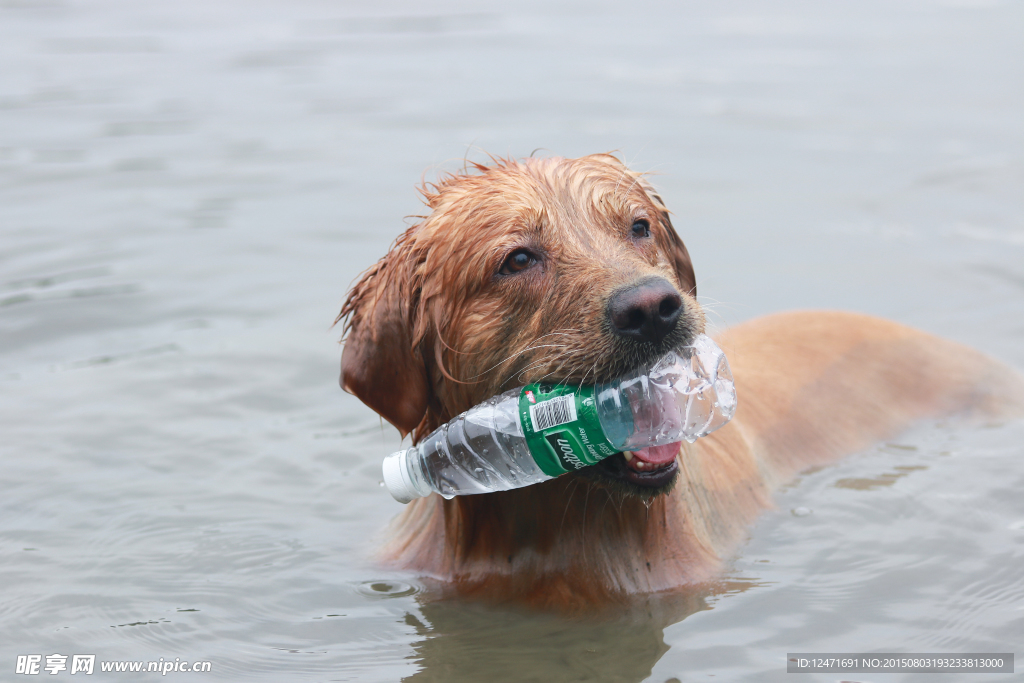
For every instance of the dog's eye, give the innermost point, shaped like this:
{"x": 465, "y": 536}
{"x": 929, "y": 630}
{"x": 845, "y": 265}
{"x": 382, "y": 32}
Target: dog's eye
{"x": 641, "y": 228}
{"x": 519, "y": 260}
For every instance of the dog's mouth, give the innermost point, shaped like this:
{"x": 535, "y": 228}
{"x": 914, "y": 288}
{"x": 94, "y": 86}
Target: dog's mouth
{"x": 646, "y": 472}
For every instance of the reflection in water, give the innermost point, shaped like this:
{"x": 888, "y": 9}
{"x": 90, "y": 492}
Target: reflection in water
{"x": 387, "y": 589}
{"x": 884, "y": 479}
{"x": 471, "y": 641}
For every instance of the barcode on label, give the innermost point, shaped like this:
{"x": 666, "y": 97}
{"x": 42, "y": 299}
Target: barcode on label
{"x": 553, "y": 412}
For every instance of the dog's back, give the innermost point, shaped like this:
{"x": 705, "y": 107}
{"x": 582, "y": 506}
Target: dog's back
{"x": 817, "y": 385}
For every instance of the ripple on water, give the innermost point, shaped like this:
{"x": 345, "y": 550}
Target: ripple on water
{"x": 387, "y": 589}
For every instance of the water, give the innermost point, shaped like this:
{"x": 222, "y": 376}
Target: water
{"x": 187, "y": 189}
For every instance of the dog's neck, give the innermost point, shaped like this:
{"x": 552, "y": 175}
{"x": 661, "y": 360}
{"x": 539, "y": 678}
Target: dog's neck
{"x": 568, "y": 542}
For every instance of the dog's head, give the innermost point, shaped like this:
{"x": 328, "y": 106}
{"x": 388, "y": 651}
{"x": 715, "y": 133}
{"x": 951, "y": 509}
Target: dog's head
{"x": 525, "y": 271}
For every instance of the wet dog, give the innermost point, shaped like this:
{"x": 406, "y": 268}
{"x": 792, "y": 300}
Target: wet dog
{"x": 569, "y": 270}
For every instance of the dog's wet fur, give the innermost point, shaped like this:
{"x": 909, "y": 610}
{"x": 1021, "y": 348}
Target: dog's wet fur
{"x": 570, "y": 270}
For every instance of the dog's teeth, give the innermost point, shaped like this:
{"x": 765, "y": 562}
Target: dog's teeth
{"x": 628, "y": 455}
{"x": 640, "y": 464}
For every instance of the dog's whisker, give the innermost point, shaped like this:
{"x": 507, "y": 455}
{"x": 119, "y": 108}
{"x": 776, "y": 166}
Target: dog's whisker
{"x": 583, "y": 380}
{"x": 537, "y": 379}
{"x": 636, "y": 180}
{"x": 559, "y": 366}
{"x": 708, "y": 302}
{"x": 516, "y": 355}
{"x": 623, "y": 173}
{"x": 519, "y": 375}
{"x": 529, "y": 348}
{"x": 586, "y": 500}
{"x": 568, "y": 499}
{"x": 601, "y": 512}
{"x": 563, "y": 332}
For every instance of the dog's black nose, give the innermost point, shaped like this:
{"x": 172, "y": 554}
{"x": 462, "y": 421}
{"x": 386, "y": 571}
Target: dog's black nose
{"x": 646, "y": 311}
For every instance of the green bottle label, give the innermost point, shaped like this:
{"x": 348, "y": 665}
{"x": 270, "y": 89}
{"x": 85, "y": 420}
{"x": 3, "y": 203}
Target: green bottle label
{"x": 561, "y": 427}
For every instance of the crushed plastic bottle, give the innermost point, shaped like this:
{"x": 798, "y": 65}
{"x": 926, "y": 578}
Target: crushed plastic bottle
{"x": 540, "y": 431}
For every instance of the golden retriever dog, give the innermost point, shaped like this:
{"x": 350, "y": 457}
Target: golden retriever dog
{"x": 569, "y": 270}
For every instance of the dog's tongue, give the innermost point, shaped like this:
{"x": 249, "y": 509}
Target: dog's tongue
{"x": 658, "y": 455}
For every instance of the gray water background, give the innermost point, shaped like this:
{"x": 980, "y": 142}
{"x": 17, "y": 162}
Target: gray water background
{"x": 187, "y": 190}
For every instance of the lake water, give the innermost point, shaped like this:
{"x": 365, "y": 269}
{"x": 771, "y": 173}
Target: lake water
{"x": 187, "y": 190}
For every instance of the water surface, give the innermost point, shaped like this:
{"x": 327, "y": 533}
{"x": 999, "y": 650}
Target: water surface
{"x": 187, "y": 190}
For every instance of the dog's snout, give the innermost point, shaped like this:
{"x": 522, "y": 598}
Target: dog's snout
{"x": 646, "y": 311}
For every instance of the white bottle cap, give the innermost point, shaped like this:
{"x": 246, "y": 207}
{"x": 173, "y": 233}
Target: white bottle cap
{"x": 396, "y": 477}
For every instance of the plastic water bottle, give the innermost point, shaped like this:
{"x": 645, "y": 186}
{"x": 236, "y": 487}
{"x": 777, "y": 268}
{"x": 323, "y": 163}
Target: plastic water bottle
{"x": 540, "y": 431}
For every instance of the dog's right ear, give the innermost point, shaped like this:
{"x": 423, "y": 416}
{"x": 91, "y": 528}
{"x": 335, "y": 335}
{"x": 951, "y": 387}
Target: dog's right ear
{"x": 673, "y": 245}
{"x": 681, "y": 261}
{"x": 381, "y": 363}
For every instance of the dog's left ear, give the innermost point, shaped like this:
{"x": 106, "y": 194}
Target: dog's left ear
{"x": 381, "y": 363}
{"x": 673, "y": 244}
